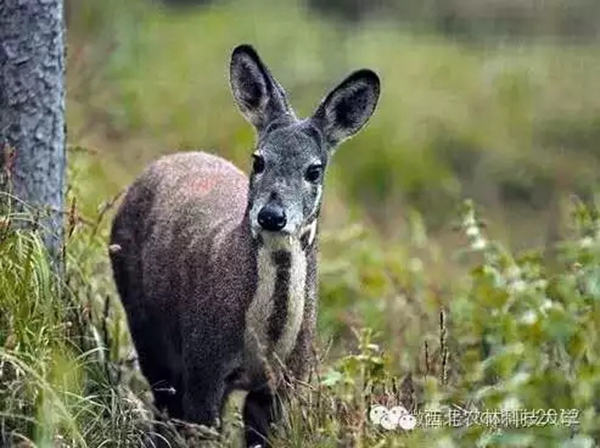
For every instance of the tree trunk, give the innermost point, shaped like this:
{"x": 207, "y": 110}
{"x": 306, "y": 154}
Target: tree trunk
{"x": 32, "y": 106}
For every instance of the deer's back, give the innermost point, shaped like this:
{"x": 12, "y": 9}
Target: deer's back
{"x": 180, "y": 232}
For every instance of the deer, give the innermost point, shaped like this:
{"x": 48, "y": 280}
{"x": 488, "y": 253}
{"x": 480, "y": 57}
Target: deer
{"x": 217, "y": 269}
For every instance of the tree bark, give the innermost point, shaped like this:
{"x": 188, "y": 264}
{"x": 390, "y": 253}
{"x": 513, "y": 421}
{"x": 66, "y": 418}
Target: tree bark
{"x": 32, "y": 106}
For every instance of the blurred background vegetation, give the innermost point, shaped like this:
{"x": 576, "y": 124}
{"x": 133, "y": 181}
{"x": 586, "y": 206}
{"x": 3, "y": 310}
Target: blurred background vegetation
{"x": 493, "y": 100}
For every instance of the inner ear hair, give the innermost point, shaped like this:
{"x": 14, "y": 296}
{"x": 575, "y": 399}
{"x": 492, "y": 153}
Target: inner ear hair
{"x": 259, "y": 96}
{"x": 348, "y": 107}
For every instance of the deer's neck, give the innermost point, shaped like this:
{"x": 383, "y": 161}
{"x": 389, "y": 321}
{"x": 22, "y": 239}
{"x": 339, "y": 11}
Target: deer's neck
{"x": 276, "y": 312}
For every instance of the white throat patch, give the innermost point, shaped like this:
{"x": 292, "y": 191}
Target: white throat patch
{"x": 258, "y": 316}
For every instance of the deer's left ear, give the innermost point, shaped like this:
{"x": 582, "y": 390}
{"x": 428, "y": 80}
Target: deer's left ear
{"x": 259, "y": 96}
{"x": 348, "y": 107}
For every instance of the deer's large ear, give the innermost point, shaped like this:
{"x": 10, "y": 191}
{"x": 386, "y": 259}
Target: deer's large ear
{"x": 348, "y": 107}
{"x": 260, "y": 98}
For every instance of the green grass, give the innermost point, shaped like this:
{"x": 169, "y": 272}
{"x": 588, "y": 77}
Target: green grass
{"x": 62, "y": 346}
{"x": 510, "y": 333}
{"x": 512, "y": 127}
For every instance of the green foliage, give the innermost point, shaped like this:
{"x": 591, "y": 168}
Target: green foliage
{"x": 414, "y": 314}
{"x": 518, "y": 337}
{"x": 33, "y": 344}
{"x": 508, "y": 125}
{"x": 516, "y": 332}
{"x": 55, "y": 388}
{"x": 528, "y": 335}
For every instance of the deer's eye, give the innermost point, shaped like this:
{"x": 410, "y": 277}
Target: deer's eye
{"x": 258, "y": 164}
{"x": 313, "y": 173}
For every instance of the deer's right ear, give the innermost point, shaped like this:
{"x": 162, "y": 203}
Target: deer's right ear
{"x": 348, "y": 107}
{"x": 257, "y": 94}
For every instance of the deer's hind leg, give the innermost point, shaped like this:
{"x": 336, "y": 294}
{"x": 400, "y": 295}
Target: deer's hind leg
{"x": 154, "y": 355}
{"x": 262, "y": 408}
{"x": 151, "y": 347}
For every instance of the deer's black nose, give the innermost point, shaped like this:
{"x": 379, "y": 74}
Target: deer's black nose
{"x": 272, "y": 217}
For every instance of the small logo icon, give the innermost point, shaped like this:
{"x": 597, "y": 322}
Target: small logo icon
{"x": 377, "y": 412}
{"x": 390, "y": 419}
{"x": 407, "y": 422}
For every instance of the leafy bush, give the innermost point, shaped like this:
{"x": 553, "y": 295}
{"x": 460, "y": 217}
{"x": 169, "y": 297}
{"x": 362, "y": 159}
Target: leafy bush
{"x": 519, "y": 337}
